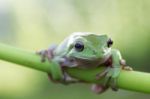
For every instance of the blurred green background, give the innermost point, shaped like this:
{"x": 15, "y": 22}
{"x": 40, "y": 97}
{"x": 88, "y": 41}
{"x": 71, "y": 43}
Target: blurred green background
{"x": 35, "y": 24}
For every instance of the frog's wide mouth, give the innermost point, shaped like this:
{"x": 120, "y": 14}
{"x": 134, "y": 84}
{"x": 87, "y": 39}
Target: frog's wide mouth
{"x": 92, "y": 58}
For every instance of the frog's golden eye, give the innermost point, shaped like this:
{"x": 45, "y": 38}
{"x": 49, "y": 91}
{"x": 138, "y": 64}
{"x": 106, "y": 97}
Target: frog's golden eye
{"x": 109, "y": 42}
{"x": 79, "y": 46}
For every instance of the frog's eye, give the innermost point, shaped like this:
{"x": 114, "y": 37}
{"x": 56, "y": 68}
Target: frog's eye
{"x": 79, "y": 46}
{"x": 109, "y": 42}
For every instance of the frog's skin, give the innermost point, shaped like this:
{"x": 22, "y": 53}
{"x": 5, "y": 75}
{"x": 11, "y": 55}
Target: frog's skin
{"x": 87, "y": 50}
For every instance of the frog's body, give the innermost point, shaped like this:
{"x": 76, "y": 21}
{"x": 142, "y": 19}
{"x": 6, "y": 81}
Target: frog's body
{"x": 87, "y": 50}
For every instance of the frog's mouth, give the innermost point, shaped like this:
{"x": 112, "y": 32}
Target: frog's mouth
{"x": 91, "y": 62}
{"x": 103, "y": 58}
{"x": 92, "y": 58}
{"x": 87, "y": 63}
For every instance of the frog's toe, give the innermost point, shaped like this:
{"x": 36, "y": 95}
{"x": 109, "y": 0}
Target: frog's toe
{"x": 67, "y": 79}
{"x": 51, "y": 79}
{"x": 128, "y": 68}
{"x": 43, "y": 54}
{"x": 98, "y": 89}
{"x": 108, "y": 77}
{"x": 102, "y": 74}
{"x": 113, "y": 84}
{"x": 106, "y": 80}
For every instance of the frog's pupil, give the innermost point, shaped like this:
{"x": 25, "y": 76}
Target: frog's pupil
{"x": 109, "y": 42}
{"x": 79, "y": 46}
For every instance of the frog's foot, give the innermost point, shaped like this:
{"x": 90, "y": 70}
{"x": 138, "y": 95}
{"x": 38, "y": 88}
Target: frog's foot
{"x": 128, "y": 68}
{"x": 113, "y": 84}
{"x": 65, "y": 80}
{"x": 111, "y": 78}
{"x": 51, "y": 79}
{"x": 46, "y": 54}
{"x": 125, "y": 67}
{"x": 68, "y": 79}
{"x": 98, "y": 89}
{"x": 102, "y": 74}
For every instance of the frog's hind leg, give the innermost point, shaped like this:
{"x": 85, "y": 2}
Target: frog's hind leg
{"x": 98, "y": 88}
{"x": 51, "y": 79}
{"x": 102, "y": 74}
{"x": 67, "y": 79}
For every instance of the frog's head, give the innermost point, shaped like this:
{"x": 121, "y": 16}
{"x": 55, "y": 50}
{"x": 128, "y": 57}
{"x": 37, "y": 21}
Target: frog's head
{"x": 88, "y": 46}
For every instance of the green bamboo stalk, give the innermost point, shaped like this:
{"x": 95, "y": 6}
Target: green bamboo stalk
{"x": 129, "y": 80}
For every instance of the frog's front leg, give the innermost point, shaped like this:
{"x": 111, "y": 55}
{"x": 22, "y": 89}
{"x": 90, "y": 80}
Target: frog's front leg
{"x": 114, "y": 70}
{"x": 47, "y": 54}
{"x": 63, "y": 61}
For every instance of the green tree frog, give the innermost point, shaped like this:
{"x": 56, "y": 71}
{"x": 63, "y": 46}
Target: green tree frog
{"x": 87, "y": 50}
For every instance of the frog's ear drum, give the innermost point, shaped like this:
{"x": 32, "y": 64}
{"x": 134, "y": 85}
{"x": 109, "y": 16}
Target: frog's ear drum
{"x": 109, "y": 42}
